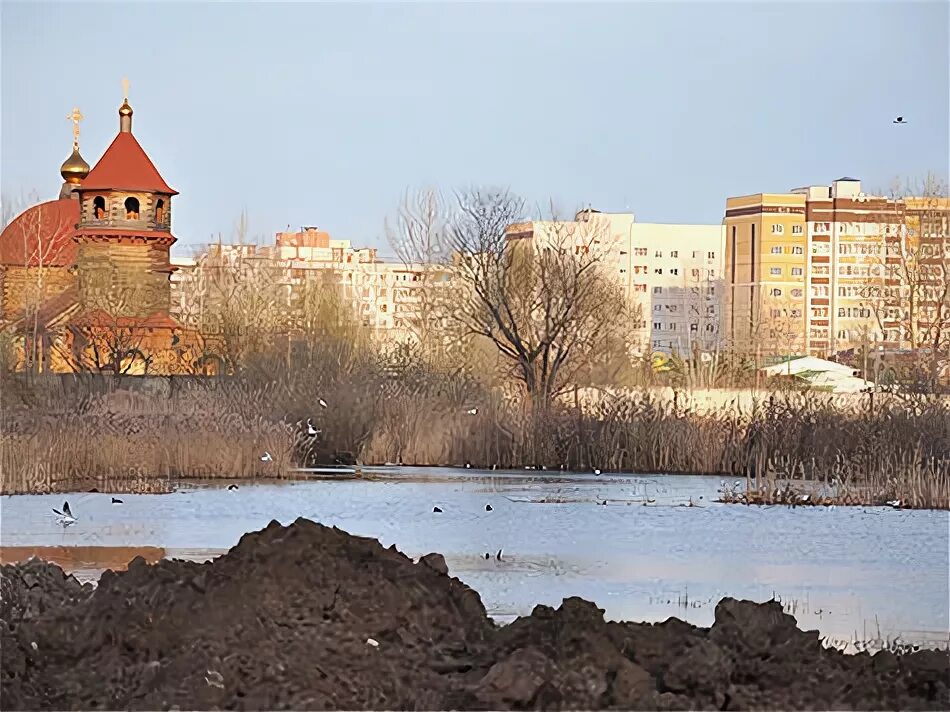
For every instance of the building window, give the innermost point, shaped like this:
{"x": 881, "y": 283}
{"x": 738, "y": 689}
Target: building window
{"x": 776, "y": 292}
{"x": 840, "y": 311}
{"x": 657, "y": 325}
{"x": 640, "y": 251}
{"x": 658, "y": 270}
{"x": 778, "y": 229}
{"x": 657, "y": 307}
{"x": 658, "y": 253}
{"x": 710, "y": 327}
{"x": 672, "y": 327}
{"x": 775, "y": 271}
{"x": 711, "y": 255}
{"x": 796, "y": 313}
{"x": 99, "y": 207}
{"x": 674, "y": 253}
{"x": 696, "y": 252}
{"x": 797, "y": 229}
{"x": 131, "y": 208}
{"x": 798, "y": 251}
{"x": 693, "y": 326}
{"x": 675, "y": 270}
{"x": 777, "y": 250}
{"x": 797, "y": 271}
{"x": 658, "y": 290}
{"x": 160, "y": 211}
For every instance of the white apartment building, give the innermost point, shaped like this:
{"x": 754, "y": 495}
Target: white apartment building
{"x": 674, "y": 272}
{"x": 384, "y": 295}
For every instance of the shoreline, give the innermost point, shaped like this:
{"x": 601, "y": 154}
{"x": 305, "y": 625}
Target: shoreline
{"x": 772, "y": 491}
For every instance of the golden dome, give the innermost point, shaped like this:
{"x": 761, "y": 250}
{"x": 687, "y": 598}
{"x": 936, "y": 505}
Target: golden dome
{"x": 74, "y": 168}
{"x": 125, "y": 109}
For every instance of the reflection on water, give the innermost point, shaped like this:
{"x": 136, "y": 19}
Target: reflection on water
{"x": 645, "y": 555}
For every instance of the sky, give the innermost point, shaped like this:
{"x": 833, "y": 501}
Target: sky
{"x": 326, "y": 114}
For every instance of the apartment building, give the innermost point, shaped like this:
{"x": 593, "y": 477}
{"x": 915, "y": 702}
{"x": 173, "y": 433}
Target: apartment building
{"x": 673, "y": 272}
{"x": 804, "y": 268}
{"x": 385, "y": 296}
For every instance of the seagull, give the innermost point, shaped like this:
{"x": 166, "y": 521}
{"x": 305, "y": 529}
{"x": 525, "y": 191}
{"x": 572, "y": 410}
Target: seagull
{"x": 436, "y": 510}
{"x": 232, "y": 487}
{"x": 311, "y": 431}
{"x": 895, "y": 503}
{"x": 487, "y": 556}
{"x": 472, "y": 411}
{"x": 116, "y": 500}
{"x": 323, "y": 403}
{"x": 371, "y": 642}
{"x": 487, "y": 507}
{"x": 604, "y": 503}
{"x": 468, "y": 466}
{"x": 899, "y": 120}
{"x": 215, "y": 679}
{"x": 498, "y": 555}
{"x": 66, "y": 516}
{"x": 597, "y": 471}
{"x": 266, "y": 457}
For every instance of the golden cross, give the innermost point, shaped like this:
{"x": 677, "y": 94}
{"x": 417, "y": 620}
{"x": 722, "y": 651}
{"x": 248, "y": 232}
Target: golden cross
{"x": 125, "y": 89}
{"x": 76, "y": 116}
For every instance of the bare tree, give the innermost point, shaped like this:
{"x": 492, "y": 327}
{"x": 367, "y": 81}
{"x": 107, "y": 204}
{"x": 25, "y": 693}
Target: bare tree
{"x": 535, "y": 291}
{"x": 910, "y": 299}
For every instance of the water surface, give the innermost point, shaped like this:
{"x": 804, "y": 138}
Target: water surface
{"x": 850, "y": 572}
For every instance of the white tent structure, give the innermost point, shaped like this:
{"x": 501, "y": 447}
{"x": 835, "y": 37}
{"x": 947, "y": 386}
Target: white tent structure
{"x": 820, "y": 373}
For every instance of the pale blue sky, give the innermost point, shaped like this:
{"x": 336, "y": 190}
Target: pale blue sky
{"x": 323, "y": 114}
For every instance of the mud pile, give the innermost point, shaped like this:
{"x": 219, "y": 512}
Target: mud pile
{"x": 307, "y": 617}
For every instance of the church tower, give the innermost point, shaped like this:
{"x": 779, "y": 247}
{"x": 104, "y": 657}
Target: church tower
{"x": 124, "y": 231}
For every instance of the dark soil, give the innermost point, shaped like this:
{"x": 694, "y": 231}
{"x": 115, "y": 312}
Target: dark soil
{"x": 285, "y": 619}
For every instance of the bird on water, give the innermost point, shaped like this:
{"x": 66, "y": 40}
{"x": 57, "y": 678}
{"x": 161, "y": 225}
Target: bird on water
{"x": 66, "y": 516}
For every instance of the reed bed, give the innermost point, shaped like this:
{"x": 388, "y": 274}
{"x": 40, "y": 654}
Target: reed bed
{"x": 785, "y": 447}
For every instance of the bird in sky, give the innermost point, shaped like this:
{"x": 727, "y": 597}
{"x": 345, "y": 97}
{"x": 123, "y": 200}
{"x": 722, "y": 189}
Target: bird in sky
{"x": 323, "y": 403}
{"x": 899, "y": 120}
{"x": 66, "y": 516}
{"x": 472, "y": 411}
{"x": 487, "y": 507}
{"x": 266, "y": 457}
{"x": 311, "y": 431}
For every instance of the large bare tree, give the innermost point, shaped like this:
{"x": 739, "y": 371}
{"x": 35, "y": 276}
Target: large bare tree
{"x": 536, "y": 291}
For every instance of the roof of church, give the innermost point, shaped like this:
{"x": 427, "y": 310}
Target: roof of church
{"x": 42, "y": 235}
{"x": 126, "y": 166}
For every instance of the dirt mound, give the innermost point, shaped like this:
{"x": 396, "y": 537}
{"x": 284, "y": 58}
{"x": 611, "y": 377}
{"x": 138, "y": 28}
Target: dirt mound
{"x": 308, "y": 617}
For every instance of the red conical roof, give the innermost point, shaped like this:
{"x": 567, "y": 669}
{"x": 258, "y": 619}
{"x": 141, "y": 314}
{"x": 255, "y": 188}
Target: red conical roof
{"x": 126, "y": 166}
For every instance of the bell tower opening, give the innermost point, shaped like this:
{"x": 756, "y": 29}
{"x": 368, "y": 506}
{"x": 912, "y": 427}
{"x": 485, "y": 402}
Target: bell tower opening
{"x": 160, "y": 211}
{"x": 131, "y": 208}
{"x": 99, "y": 207}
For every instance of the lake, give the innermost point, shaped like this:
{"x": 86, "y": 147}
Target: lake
{"x": 861, "y": 573}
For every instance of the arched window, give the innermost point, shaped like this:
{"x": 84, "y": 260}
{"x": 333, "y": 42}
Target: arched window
{"x": 131, "y": 209}
{"x": 99, "y": 207}
{"x": 160, "y": 211}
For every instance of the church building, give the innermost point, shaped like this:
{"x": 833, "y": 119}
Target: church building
{"x": 85, "y": 279}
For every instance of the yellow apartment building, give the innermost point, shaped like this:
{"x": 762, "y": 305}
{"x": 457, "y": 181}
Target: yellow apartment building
{"x": 805, "y": 269}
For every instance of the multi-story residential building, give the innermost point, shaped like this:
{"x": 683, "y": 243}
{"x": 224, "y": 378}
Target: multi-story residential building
{"x": 803, "y": 269}
{"x": 673, "y": 273}
{"x": 384, "y": 295}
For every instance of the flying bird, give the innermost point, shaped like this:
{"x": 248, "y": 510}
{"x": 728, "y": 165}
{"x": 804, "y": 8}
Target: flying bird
{"x": 116, "y": 500}
{"x": 323, "y": 403}
{"x": 487, "y": 556}
{"x": 66, "y": 516}
{"x": 472, "y": 411}
{"x": 899, "y": 120}
{"x": 498, "y": 555}
{"x": 232, "y": 487}
{"x": 487, "y": 507}
{"x": 266, "y": 457}
{"x": 436, "y": 510}
{"x": 311, "y": 431}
